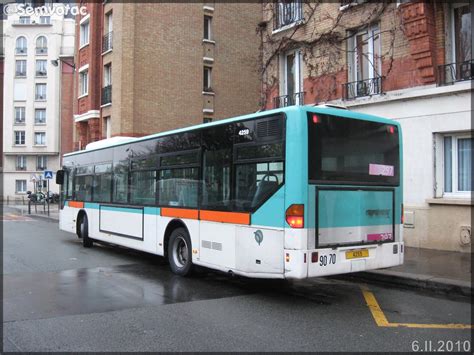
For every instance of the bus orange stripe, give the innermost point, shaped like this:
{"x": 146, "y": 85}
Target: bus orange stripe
{"x": 180, "y": 212}
{"x": 225, "y": 217}
{"x": 76, "y": 204}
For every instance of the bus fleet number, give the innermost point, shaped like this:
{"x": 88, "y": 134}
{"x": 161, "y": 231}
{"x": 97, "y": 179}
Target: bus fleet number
{"x": 327, "y": 259}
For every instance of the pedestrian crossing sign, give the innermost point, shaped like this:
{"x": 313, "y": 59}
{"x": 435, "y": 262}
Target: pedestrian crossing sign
{"x": 48, "y": 174}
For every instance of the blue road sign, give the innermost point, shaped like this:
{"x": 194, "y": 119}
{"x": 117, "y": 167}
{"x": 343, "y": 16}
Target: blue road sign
{"x": 48, "y": 174}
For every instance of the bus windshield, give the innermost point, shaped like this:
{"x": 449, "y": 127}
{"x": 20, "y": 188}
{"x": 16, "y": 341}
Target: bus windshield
{"x": 343, "y": 150}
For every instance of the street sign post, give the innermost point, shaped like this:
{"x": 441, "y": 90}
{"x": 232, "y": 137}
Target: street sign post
{"x": 48, "y": 175}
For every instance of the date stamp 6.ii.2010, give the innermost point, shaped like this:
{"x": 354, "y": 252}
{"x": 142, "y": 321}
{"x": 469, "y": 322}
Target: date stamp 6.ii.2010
{"x": 441, "y": 346}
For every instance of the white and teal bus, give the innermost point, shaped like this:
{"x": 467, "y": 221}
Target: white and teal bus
{"x": 293, "y": 193}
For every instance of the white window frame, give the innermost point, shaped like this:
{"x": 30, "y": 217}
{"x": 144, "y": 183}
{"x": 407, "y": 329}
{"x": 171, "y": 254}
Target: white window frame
{"x": 21, "y": 136}
{"x": 107, "y": 74}
{"x": 23, "y": 188}
{"x": 21, "y": 45}
{"x": 455, "y": 193}
{"x": 296, "y": 7}
{"x": 207, "y": 71}
{"x": 40, "y": 96}
{"x": 45, "y": 20}
{"x": 83, "y": 82}
{"x": 36, "y": 116}
{"x": 453, "y": 6}
{"x": 41, "y": 45}
{"x": 84, "y": 32}
{"x": 41, "y": 162}
{"x": 42, "y": 141}
{"x": 21, "y": 162}
{"x": 284, "y": 72}
{"x": 23, "y": 68}
{"x": 22, "y": 115}
{"x": 352, "y": 53}
{"x": 208, "y": 24}
{"x": 41, "y": 64}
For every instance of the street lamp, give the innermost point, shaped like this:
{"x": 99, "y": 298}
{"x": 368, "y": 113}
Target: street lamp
{"x": 55, "y": 62}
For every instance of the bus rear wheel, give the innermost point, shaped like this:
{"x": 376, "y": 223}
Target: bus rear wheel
{"x": 84, "y": 232}
{"x": 179, "y": 252}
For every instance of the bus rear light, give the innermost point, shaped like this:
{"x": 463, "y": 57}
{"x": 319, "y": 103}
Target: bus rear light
{"x": 314, "y": 257}
{"x": 315, "y": 118}
{"x": 287, "y": 257}
{"x": 305, "y": 258}
{"x": 391, "y": 129}
{"x": 402, "y": 217}
{"x": 295, "y": 216}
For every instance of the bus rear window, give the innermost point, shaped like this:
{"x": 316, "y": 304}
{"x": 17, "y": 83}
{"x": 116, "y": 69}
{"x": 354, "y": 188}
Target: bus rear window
{"x": 344, "y": 150}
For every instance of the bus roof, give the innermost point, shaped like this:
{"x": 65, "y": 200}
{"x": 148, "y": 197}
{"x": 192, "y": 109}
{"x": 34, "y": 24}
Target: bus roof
{"x": 306, "y": 108}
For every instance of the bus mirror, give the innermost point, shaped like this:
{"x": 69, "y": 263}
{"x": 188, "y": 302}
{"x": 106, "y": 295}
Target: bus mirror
{"x": 60, "y": 177}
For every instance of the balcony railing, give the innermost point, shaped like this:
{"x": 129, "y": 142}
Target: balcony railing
{"x": 361, "y": 88}
{"x": 20, "y": 73}
{"x": 106, "y": 95}
{"x": 454, "y": 72}
{"x": 107, "y": 42}
{"x": 21, "y": 50}
{"x": 41, "y": 50}
{"x": 289, "y": 100}
{"x": 287, "y": 12}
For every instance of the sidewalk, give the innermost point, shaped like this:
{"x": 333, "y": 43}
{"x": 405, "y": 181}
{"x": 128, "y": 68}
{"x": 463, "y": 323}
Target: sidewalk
{"x": 39, "y": 211}
{"x": 445, "y": 271}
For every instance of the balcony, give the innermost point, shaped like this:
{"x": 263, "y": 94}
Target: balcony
{"x": 287, "y": 13}
{"x": 362, "y": 88}
{"x": 107, "y": 42}
{"x": 449, "y": 74}
{"x": 106, "y": 97}
{"x": 41, "y": 73}
{"x": 20, "y": 74}
{"x": 289, "y": 100}
{"x": 41, "y": 50}
{"x": 21, "y": 51}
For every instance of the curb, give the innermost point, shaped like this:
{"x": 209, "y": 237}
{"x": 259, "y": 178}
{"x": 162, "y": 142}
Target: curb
{"x": 419, "y": 281}
{"x": 35, "y": 215}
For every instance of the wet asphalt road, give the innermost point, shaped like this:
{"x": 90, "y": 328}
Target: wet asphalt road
{"x": 59, "y": 296}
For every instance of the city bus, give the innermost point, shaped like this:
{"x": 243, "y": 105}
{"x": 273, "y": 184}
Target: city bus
{"x": 291, "y": 193}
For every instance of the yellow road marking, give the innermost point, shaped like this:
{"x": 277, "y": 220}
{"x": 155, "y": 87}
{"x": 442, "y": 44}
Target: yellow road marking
{"x": 382, "y": 321}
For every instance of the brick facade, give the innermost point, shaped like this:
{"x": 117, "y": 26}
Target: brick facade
{"x": 157, "y": 63}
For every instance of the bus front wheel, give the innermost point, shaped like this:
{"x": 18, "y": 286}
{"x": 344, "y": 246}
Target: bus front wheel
{"x": 84, "y": 231}
{"x": 179, "y": 252}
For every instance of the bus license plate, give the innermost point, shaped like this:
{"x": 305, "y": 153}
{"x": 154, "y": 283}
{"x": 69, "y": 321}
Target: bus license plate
{"x": 355, "y": 254}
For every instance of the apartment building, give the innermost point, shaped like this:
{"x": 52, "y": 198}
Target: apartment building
{"x": 37, "y": 104}
{"x": 408, "y": 60}
{"x": 150, "y": 67}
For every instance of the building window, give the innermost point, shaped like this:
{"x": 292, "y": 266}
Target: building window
{"x": 287, "y": 12}
{"x": 41, "y": 162}
{"x": 45, "y": 20}
{"x": 364, "y": 63}
{"x": 19, "y": 137}
{"x": 40, "y": 138}
{"x": 108, "y": 36}
{"x": 20, "y": 68}
{"x": 207, "y": 79}
{"x": 458, "y": 164}
{"x": 41, "y": 45}
{"x": 21, "y": 162}
{"x": 84, "y": 33}
{"x": 108, "y": 127}
{"x": 20, "y": 115}
{"x": 25, "y": 20}
{"x": 20, "y": 186}
{"x": 21, "y": 45}
{"x": 207, "y": 27}
{"x": 40, "y": 116}
{"x": 207, "y": 119}
{"x": 107, "y": 75}
{"x": 83, "y": 82}
{"x": 290, "y": 83}
{"x": 40, "y": 92}
{"x": 41, "y": 68}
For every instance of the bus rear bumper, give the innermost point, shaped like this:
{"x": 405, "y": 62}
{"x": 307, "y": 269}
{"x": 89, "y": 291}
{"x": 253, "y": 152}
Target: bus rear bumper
{"x": 300, "y": 264}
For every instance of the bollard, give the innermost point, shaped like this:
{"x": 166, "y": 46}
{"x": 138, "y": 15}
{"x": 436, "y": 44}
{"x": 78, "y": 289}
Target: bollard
{"x": 29, "y": 207}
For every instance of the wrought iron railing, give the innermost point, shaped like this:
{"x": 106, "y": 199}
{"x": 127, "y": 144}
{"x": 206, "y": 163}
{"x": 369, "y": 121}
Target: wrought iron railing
{"x": 20, "y": 50}
{"x": 107, "y": 42}
{"x": 287, "y": 12}
{"x": 454, "y": 72}
{"x": 361, "y": 88}
{"x": 106, "y": 97}
{"x": 41, "y": 50}
{"x": 289, "y": 100}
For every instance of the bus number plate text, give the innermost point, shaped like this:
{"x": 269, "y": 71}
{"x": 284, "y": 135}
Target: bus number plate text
{"x": 355, "y": 254}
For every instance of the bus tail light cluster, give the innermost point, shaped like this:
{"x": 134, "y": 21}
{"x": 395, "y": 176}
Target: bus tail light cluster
{"x": 295, "y": 216}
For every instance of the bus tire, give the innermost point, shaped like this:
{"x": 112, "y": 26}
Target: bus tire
{"x": 84, "y": 231}
{"x": 180, "y": 252}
